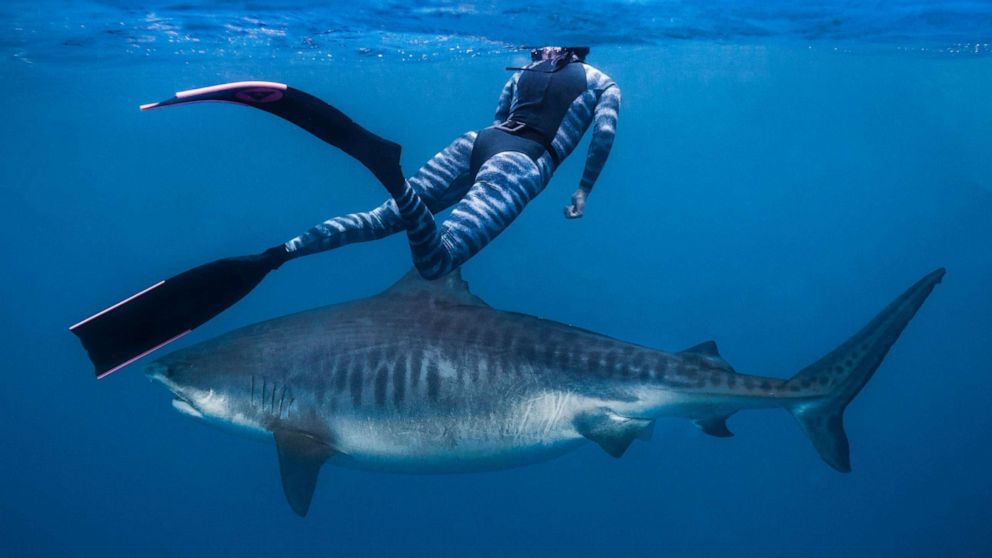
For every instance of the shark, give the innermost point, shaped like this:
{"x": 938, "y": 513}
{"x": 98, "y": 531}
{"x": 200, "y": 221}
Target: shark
{"x": 428, "y": 378}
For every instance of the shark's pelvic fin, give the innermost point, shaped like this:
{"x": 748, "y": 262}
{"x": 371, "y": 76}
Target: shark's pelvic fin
{"x": 714, "y": 426}
{"x": 611, "y": 431}
{"x": 300, "y": 458}
{"x": 450, "y": 289}
{"x": 838, "y": 377}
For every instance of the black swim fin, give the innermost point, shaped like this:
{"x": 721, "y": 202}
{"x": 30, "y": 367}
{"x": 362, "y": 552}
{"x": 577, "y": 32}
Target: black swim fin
{"x": 379, "y": 155}
{"x": 170, "y": 309}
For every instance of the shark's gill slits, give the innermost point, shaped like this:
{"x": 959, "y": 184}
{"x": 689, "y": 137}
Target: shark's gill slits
{"x": 272, "y": 405}
{"x": 270, "y": 397}
{"x": 282, "y": 400}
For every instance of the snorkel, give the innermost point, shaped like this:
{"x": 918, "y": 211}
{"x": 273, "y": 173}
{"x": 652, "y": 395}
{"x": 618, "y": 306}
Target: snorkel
{"x": 566, "y": 54}
{"x": 558, "y": 56}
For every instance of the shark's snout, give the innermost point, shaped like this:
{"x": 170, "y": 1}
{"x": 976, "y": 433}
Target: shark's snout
{"x": 165, "y": 374}
{"x": 168, "y": 371}
{"x": 157, "y": 371}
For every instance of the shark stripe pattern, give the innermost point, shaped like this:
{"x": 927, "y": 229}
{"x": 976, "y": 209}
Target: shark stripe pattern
{"x": 426, "y": 377}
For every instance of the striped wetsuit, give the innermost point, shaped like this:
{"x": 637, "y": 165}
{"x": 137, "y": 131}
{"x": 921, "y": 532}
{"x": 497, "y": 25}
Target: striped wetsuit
{"x": 490, "y": 175}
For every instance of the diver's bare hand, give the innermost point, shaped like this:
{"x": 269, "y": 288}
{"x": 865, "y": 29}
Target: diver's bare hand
{"x": 575, "y": 210}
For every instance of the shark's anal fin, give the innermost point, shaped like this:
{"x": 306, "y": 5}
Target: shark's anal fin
{"x": 714, "y": 426}
{"x": 611, "y": 431}
{"x": 300, "y": 458}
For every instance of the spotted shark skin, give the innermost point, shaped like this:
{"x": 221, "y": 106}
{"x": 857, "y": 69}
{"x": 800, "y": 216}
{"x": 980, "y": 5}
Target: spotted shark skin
{"x": 427, "y": 378}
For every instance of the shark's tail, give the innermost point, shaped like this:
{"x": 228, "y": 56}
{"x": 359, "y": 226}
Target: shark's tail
{"x": 839, "y": 376}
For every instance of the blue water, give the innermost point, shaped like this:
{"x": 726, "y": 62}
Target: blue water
{"x": 780, "y": 174}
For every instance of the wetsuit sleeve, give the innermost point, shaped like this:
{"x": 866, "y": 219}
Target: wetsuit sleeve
{"x": 604, "y": 129}
{"x": 505, "y": 100}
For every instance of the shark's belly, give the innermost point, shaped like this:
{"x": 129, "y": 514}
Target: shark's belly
{"x": 462, "y": 438}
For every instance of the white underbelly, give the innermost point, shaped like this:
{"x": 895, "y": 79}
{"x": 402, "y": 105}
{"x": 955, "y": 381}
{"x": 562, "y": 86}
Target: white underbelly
{"x": 531, "y": 430}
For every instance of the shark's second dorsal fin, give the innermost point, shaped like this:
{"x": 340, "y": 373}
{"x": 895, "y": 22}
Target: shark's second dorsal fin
{"x": 450, "y": 289}
{"x": 709, "y": 350}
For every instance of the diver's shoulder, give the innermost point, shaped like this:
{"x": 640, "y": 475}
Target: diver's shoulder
{"x": 596, "y": 78}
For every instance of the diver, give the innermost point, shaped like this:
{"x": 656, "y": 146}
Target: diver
{"x": 486, "y": 177}
{"x": 490, "y": 176}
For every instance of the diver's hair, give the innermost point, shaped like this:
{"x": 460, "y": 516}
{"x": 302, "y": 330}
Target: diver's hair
{"x": 576, "y": 53}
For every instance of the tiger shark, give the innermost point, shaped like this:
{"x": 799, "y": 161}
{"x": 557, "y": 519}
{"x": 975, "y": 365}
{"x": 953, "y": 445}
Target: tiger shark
{"x": 426, "y": 377}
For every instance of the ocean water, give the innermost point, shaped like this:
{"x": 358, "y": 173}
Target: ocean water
{"x": 779, "y": 175}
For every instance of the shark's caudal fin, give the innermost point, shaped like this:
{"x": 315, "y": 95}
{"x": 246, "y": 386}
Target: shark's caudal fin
{"x": 842, "y": 373}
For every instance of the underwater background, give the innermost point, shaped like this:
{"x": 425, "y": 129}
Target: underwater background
{"x": 781, "y": 172}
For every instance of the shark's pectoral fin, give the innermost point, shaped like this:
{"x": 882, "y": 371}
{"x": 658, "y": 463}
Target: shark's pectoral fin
{"x": 611, "y": 431}
{"x": 714, "y": 426}
{"x": 300, "y": 458}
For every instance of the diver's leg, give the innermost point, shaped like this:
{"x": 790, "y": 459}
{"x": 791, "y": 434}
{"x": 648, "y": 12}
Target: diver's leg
{"x": 503, "y": 187}
{"x": 346, "y": 229}
{"x": 439, "y": 183}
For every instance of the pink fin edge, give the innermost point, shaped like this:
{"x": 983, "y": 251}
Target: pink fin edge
{"x": 125, "y": 301}
{"x": 142, "y": 355}
{"x": 226, "y": 86}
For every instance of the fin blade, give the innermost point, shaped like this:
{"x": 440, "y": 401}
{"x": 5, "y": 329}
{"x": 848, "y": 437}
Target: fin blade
{"x": 833, "y": 381}
{"x": 158, "y": 315}
{"x": 300, "y": 459}
{"x": 379, "y": 155}
{"x": 613, "y": 432}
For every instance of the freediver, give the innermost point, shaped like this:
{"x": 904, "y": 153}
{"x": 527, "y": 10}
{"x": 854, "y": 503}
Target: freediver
{"x": 486, "y": 177}
{"x": 490, "y": 175}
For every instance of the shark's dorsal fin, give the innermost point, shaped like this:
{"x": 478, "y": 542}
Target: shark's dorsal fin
{"x": 300, "y": 458}
{"x": 611, "y": 431}
{"x": 450, "y": 289}
{"x": 707, "y": 348}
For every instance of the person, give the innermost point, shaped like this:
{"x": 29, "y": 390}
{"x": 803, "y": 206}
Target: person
{"x": 489, "y": 176}
{"x": 485, "y": 177}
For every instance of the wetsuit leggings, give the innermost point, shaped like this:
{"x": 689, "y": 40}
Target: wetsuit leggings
{"x": 483, "y": 208}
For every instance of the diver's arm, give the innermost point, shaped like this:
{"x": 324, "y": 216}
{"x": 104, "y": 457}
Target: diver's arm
{"x": 505, "y": 99}
{"x": 604, "y": 130}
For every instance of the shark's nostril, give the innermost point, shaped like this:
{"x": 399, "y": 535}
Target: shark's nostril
{"x": 157, "y": 369}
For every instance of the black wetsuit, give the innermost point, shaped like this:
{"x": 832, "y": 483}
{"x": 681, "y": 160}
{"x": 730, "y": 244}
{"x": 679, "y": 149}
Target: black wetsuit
{"x": 489, "y": 176}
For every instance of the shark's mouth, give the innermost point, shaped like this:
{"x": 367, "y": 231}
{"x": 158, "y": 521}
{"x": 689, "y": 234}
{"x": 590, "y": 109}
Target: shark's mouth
{"x": 185, "y": 407}
{"x": 179, "y": 402}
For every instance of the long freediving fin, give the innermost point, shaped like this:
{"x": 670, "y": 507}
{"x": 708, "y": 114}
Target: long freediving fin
{"x": 379, "y": 155}
{"x": 172, "y": 308}
{"x": 164, "y": 312}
